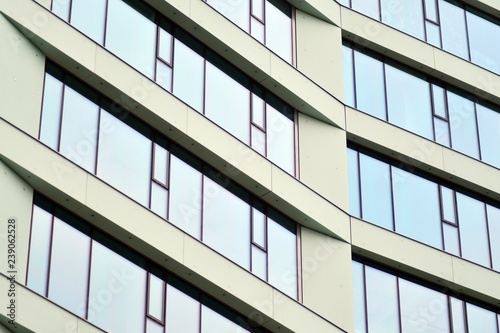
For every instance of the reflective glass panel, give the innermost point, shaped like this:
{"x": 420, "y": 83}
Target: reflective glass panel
{"x": 131, "y": 36}
{"x": 463, "y": 125}
{"x": 165, "y": 46}
{"x": 453, "y": 29}
{"x": 259, "y": 262}
{"x": 367, "y": 7}
{"x": 61, "y": 8}
{"x": 451, "y": 241}
{"x": 124, "y": 158}
{"x": 279, "y": 32}
{"x": 448, "y": 202}
{"x": 236, "y": 11}
{"x": 51, "y": 111}
{"x": 185, "y": 197}
{"x": 441, "y": 132}
{"x": 258, "y": 30}
{"x": 494, "y": 231}
{"x": 164, "y": 75}
{"x": 370, "y": 91}
{"x": 227, "y": 103}
{"x": 382, "y": 301}
{"x": 69, "y": 268}
{"x": 226, "y": 223}
{"x": 183, "y": 312}
{"x": 489, "y": 134}
{"x": 213, "y": 322}
{"x": 409, "y": 102}
{"x": 473, "y": 233}
{"x": 259, "y": 228}
{"x": 422, "y": 309}
{"x": 438, "y": 97}
{"x": 280, "y": 139}
{"x": 404, "y": 15}
{"x": 457, "y": 314}
{"x": 156, "y": 297}
{"x": 354, "y": 203}
{"x": 480, "y": 320}
{"x": 358, "y": 286}
{"x": 159, "y": 197}
{"x": 153, "y": 327}
{"x": 481, "y": 34}
{"x": 433, "y": 34}
{"x": 348, "y": 76}
{"x": 376, "y": 194}
{"x": 258, "y": 8}
{"x": 188, "y": 64}
{"x": 416, "y": 207}
{"x": 258, "y": 111}
{"x": 258, "y": 140}
{"x": 431, "y": 10}
{"x": 160, "y": 164}
{"x": 88, "y": 16}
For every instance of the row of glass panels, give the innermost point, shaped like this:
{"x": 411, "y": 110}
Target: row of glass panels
{"x": 88, "y": 273}
{"x": 387, "y": 303}
{"x": 418, "y": 104}
{"x": 447, "y": 24}
{"x": 183, "y": 66}
{"x": 105, "y": 140}
{"x": 415, "y": 205}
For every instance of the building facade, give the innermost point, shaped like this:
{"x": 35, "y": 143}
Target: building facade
{"x": 250, "y": 166}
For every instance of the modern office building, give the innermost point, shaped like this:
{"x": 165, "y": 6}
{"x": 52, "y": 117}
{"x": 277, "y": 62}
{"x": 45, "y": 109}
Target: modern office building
{"x": 178, "y": 166}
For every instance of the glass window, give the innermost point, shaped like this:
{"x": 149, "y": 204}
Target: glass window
{"x": 409, "y": 102}
{"x": 213, "y": 322}
{"x": 451, "y": 239}
{"x": 183, "y": 312}
{"x": 188, "y": 64}
{"x": 480, "y": 320}
{"x": 131, "y": 36}
{"x": 279, "y": 32}
{"x": 160, "y": 164}
{"x": 258, "y": 111}
{"x": 258, "y": 9}
{"x": 473, "y": 232}
{"x": 453, "y": 29}
{"x": 347, "y": 57}
{"x": 61, "y": 8}
{"x": 165, "y": 46}
{"x": 236, "y": 11}
{"x": 227, "y": 103}
{"x": 422, "y": 309}
{"x": 416, "y": 207}
{"x": 433, "y": 34}
{"x": 358, "y": 286}
{"x": 441, "y": 132}
{"x": 258, "y": 140}
{"x": 354, "y": 203}
{"x": 489, "y": 134}
{"x": 448, "y": 203}
{"x": 367, "y": 7}
{"x": 79, "y": 129}
{"x": 282, "y": 257}
{"x": 156, "y": 297}
{"x": 226, "y": 223}
{"x": 258, "y": 30}
{"x": 185, "y": 197}
{"x": 431, "y": 10}
{"x": 494, "y": 231}
{"x": 69, "y": 268}
{"x": 125, "y": 158}
{"x": 153, "y": 327}
{"x": 259, "y": 262}
{"x": 457, "y": 313}
{"x": 382, "y": 301}
{"x": 164, "y": 75}
{"x": 51, "y": 111}
{"x": 280, "y": 139}
{"x": 438, "y": 96}
{"x": 88, "y": 16}
{"x": 116, "y": 284}
{"x": 159, "y": 198}
{"x": 463, "y": 125}
{"x": 38, "y": 270}
{"x": 483, "y": 51}
{"x": 259, "y": 228}
{"x": 404, "y": 15}
{"x": 376, "y": 194}
{"x": 370, "y": 85}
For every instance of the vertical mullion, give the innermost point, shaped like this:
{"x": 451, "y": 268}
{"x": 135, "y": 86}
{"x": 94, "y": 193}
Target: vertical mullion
{"x": 294, "y": 37}
{"x": 105, "y": 24}
{"x": 385, "y": 91}
{"x": 157, "y": 49}
{"x": 457, "y": 222}
{"x": 467, "y": 35}
{"x": 91, "y": 234}
{"x": 202, "y": 196}
{"x": 365, "y": 296}
{"x": 70, "y": 11}
{"x": 477, "y": 131}
{"x": 50, "y": 251}
{"x": 99, "y": 114}
{"x": 152, "y": 169}
{"x": 43, "y": 99}
{"x": 360, "y": 188}
{"x": 30, "y": 238}
{"x": 433, "y": 110}
{"x": 63, "y": 81}
{"x": 441, "y": 208}
{"x": 399, "y": 304}
{"x": 488, "y": 232}
{"x": 300, "y": 295}
{"x": 296, "y": 150}
{"x": 392, "y": 198}
{"x": 354, "y": 77}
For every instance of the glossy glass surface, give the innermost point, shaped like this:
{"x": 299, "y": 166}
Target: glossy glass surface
{"x": 484, "y": 52}
{"x": 431, "y": 10}
{"x": 156, "y": 299}
{"x": 473, "y": 232}
{"x": 258, "y": 30}
{"x": 227, "y": 103}
{"x": 376, "y": 191}
{"x": 420, "y": 221}
{"x": 164, "y": 75}
{"x": 442, "y": 132}
{"x": 354, "y": 197}
{"x": 131, "y": 36}
{"x": 404, "y": 15}
{"x": 185, "y": 197}
{"x": 183, "y": 312}
{"x": 480, "y": 320}
{"x": 358, "y": 286}
{"x": 382, "y": 301}
{"x": 347, "y": 60}
{"x": 166, "y": 43}
{"x": 160, "y": 164}
{"x": 448, "y": 204}
{"x": 367, "y": 7}
{"x": 125, "y": 159}
{"x": 258, "y": 140}
{"x": 153, "y": 327}
{"x": 213, "y": 322}
{"x": 279, "y": 32}
{"x": 433, "y": 34}
{"x": 258, "y": 8}
{"x": 453, "y": 29}
{"x": 259, "y": 262}
{"x": 457, "y": 315}
{"x": 61, "y": 8}
{"x": 451, "y": 239}
{"x": 409, "y": 102}
{"x": 226, "y": 223}
{"x": 488, "y": 122}
{"x": 88, "y": 16}
{"x": 51, "y": 111}
{"x": 370, "y": 91}
{"x": 258, "y": 111}
{"x": 463, "y": 125}
{"x": 259, "y": 228}
{"x": 236, "y": 11}
{"x": 69, "y": 268}
{"x": 280, "y": 139}
{"x": 159, "y": 198}
{"x": 494, "y": 231}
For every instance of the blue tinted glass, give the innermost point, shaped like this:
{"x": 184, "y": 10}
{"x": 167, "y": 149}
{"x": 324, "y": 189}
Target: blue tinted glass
{"x": 404, "y": 15}
{"x": 453, "y": 29}
{"x": 88, "y": 17}
{"x": 370, "y": 92}
{"x": 358, "y": 285}
{"x": 51, "y": 111}
{"x": 382, "y": 301}
{"x": 494, "y": 230}
{"x": 348, "y": 75}
{"x": 488, "y": 122}
{"x": 480, "y": 320}
{"x": 463, "y": 125}
{"x": 354, "y": 204}
{"x": 367, "y": 7}
{"x": 481, "y": 34}
{"x": 278, "y": 32}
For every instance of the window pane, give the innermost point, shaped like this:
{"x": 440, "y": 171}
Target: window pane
{"x": 409, "y": 102}
{"x": 358, "y": 286}
{"x": 282, "y": 257}
{"x": 51, "y": 111}
{"x": 416, "y": 208}
{"x": 188, "y": 64}
{"x": 473, "y": 234}
{"x": 458, "y": 318}
{"x": 258, "y": 8}
{"x": 431, "y": 10}
{"x": 39, "y": 251}
{"x": 453, "y": 29}
{"x": 463, "y": 125}
{"x": 483, "y": 51}
{"x": 124, "y": 158}
{"x": 370, "y": 91}
{"x": 61, "y": 8}
{"x": 258, "y": 140}
{"x": 280, "y": 140}
{"x": 131, "y": 36}
{"x": 115, "y": 284}
{"x": 448, "y": 202}
{"x": 79, "y": 129}
{"x": 438, "y": 95}
{"x": 69, "y": 268}
{"x": 153, "y": 327}
{"x": 376, "y": 191}
{"x": 258, "y": 30}
{"x": 489, "y": 134}
{"x": 406, "y": 15}
{"x": 185, "y": 197}
{"x": 382, "y": 301}
{"x": 367, "y": 7}
{"x": 165, "y": 46}
{"x": 183, "y": 312}
{"x": 226, "y": 223}
{"x": 164, "y": 75}
{"x": 451, "y": 242}
{"x": 422, "y": 309}
{"x": 480, "y": 320}
{"x": 213, "y": 322}
{"x": 494, "y": 230}
{"x": 259, "y": 228}
{"x": 88, "y": 17}
{"x": 348, "y": 75}
{"x": 259, "y": 262}
{"x": 433, "y": 34}
{"x": 354, "y": 204}
{"x": 227, "y": 103}
{"x": 159, "y": 199}
{"x": 236, "y": 11}
{"x": 160, "y": 164}
{"x": 279, "y": 32}
{"x": 441, "y": 132}
{"x": 258, "y": 111}
{"x": 156, "y": 297}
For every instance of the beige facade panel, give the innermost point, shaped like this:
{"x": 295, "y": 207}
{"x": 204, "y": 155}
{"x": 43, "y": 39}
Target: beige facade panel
{"x": 324, "y": 170}
{"x": 327, "y": 278}
{"x": 489, "y": 6}
{"x": 325, "y": 10}
{"x": 22, "y": 66}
